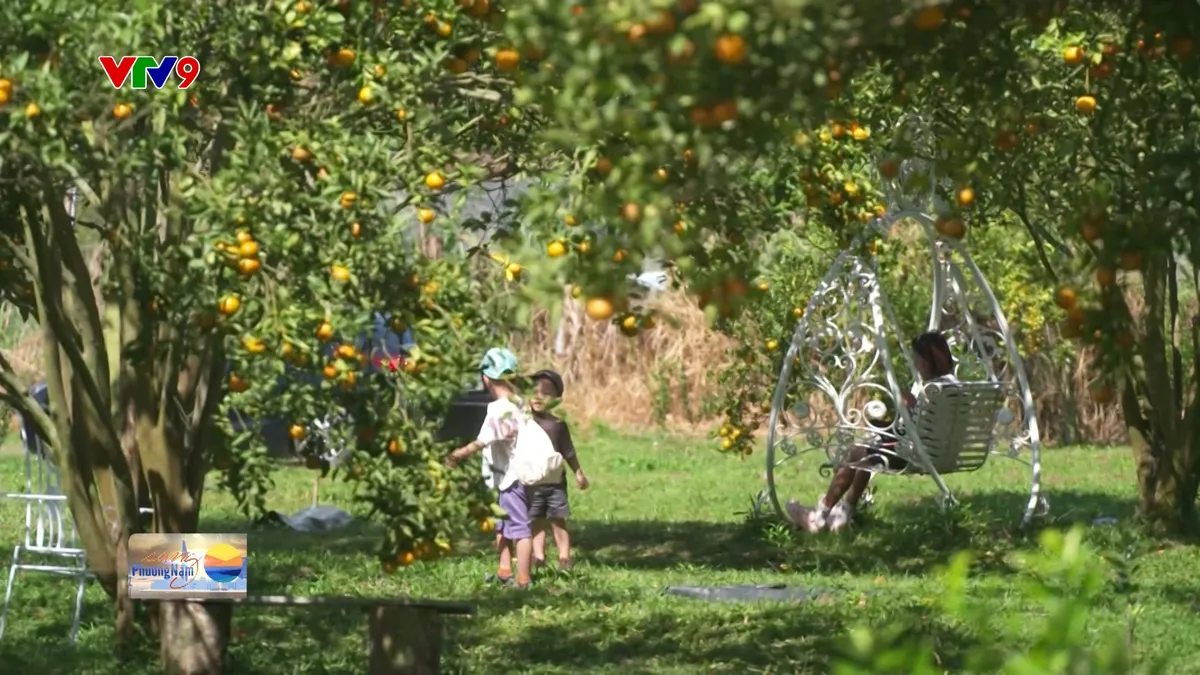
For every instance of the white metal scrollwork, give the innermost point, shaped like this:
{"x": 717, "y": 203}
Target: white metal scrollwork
{"x": 839, "y": 376}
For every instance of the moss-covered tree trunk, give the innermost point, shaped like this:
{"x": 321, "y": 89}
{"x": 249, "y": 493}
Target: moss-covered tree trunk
{"x": 1161, "y": 409}
{"x": 131, "y": 404}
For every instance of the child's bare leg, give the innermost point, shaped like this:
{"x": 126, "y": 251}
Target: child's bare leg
{"x": 524, "y": 560}
{"x": 505, "y": 568}
{"x": 539, "y": 539}
{"x": 562, "y": 539}
{"x": 857, "y": 487}
{"x": 844, "y": 478}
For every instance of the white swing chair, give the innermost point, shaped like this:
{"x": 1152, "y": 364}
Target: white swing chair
{"x": 842, "y": 354}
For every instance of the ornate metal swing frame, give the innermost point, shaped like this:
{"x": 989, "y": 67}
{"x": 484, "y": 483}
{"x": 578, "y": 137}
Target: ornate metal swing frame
{"x": 842, "y": 341}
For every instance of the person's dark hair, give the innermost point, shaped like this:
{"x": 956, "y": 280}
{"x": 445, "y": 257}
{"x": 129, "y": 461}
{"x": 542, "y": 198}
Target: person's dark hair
{"x": 932, "y": 347}
{"x": 553, "y": 378}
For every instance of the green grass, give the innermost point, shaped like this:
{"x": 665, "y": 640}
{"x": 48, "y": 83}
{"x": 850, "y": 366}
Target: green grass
{"x": 663, "y": 511}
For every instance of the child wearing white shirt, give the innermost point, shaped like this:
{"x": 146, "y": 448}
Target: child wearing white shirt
{"x": 496, "y": 439}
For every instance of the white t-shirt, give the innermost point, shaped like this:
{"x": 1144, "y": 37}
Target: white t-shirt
{"x": 498, "y": 435}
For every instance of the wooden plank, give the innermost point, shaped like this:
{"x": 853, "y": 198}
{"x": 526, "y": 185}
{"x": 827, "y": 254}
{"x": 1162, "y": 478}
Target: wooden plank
{"x": 436, "y": 606}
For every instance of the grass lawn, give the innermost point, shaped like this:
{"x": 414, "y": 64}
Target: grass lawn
{"x": 662, "y": 511}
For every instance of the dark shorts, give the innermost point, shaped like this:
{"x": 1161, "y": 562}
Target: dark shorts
{"x": 879, "y": 457}
{"x": 549, "y": 501}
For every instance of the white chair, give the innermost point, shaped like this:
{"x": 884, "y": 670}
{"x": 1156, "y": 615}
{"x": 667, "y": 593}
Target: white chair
{"x": 50, "y": 543}
{"x": 956, "y": 427}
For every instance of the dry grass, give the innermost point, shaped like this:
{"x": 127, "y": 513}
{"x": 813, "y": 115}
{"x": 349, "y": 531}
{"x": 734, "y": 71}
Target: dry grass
{"x": 632, "y": 382}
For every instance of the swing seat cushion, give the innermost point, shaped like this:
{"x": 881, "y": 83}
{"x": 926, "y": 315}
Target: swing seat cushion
{"x": 956, "y": 425}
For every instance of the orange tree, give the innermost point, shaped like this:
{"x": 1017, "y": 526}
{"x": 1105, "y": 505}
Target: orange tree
{"x": 249, "y": 229}
{"x": 689, "y": 123}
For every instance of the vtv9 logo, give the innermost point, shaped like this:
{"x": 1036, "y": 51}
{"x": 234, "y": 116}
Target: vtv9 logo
{"x": 140, "y": 71}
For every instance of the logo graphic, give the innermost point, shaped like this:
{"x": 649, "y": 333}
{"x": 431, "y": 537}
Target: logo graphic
{"x": 181, "y": 566}
{"x": 139, "y": 71}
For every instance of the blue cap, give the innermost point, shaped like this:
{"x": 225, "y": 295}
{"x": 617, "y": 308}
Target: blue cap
{"x": 499, "y": 363}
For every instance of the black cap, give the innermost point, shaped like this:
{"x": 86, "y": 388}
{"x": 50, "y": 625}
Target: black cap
{"x": 553, "y": 378}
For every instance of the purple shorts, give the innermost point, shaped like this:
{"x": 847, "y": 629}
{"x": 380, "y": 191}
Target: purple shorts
{"x": 516, "y": 525}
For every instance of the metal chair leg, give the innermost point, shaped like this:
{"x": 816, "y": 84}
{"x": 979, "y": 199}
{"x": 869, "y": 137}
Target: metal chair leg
{"x": 12, "y": 576}
{"x": 79, "y": 599}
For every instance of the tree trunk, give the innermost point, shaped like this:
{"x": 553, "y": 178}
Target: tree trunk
{"x": 1167, "y": 484}
{"x": 194, "y": 637}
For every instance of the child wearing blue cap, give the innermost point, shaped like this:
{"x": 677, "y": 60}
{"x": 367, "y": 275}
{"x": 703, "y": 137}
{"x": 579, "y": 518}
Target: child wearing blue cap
{"x": 496, "y": 439}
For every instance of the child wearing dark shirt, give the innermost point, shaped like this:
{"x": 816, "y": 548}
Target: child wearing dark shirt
{"x": 549, "y": 502}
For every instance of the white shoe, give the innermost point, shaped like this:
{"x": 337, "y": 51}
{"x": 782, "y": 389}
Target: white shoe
{"x": 840, "y": 516}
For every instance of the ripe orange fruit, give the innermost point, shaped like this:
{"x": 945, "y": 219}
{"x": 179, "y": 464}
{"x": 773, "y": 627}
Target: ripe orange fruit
{"x": 425, "y": 215}
{"x": 1105, "y": 277}
{"x": 1069, "y": 330}
{"x": 122, "y": 111}
{"x": 487, "y": 525}
{"x": 237, "y": 384}
{"x": 556, "y": 249}
{"x": 764, "y": 286}
{"x": 348, "y": 200}
{"x": 599, "y": 309}
{"x": 457, "y": 66}
{"x": 1130, "y": 261}
{"x": 366, "y": 95}
{"x": 301, "y": 155}
{"x": 248, "y": 249}
{"x": 1086, "y": 104}
{"x": 797, "y": 312}
{"x": 632, "y": 213}
{"x": 330, "y": 371}
{"x": 508, "y": 60}
{"x": 444, "y": 29}
{"x": 346, "y": 352}
{"x": 1090, "y": 232}
{"x": 356, "y": 229}
{"x": 343, "y": 57}
{"x": 248, "y": 266}
{"x": 401, "y": 114}
{"x": 837, "y": 130}
{"x": 951, "y": 228}
{"x": 636, "y": 32}
{"x": 395, "y": 446}
{"x": 32, "y": 110}
{"x": 583, "y": 247}
{"x": 435, "y": 181}
{"x": 1066, "y": 298}
{"x": 6, "y": 85}
{"x": 861, "y": 133}
{"x": 619, "y": 256}
{"x": 1073, "y": 55}
{"x": 254, "y": 345}
{"x": 297, "y": 432}
{"x": 929, "y": 18}
{"x": 730, "y": 49}
{"x": 339, "y": 273}
{"x": 229, "y": 305}
{"x": 325, "y": 331}
{"x": 661, "y": 175}
{"x": 604, "y": 166}
{"x": 772, "y": 345}
{"x": 966, "y": 196}
{"x": 680, "y": 227}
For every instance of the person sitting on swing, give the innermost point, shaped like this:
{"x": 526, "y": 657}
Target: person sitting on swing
{"x": 835, "y": 510}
